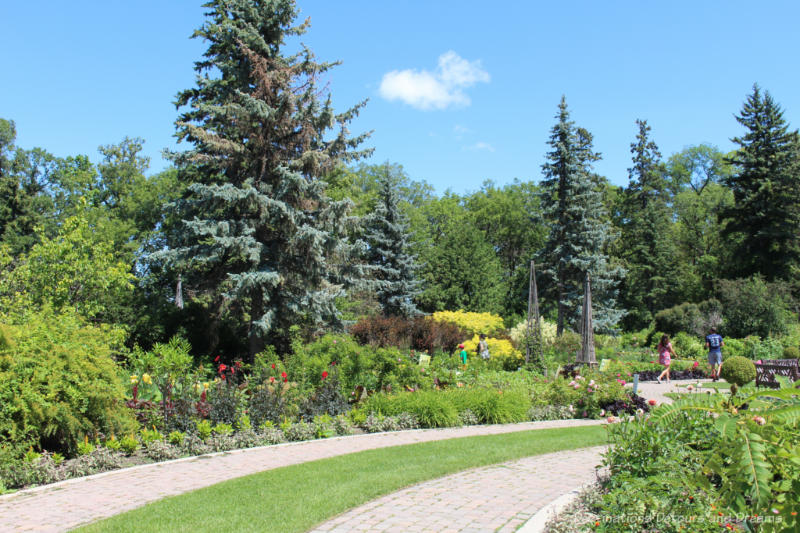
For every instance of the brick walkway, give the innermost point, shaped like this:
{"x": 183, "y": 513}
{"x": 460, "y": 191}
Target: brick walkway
{"x": 496, "y": 498}
{"x": 66, "y": 505}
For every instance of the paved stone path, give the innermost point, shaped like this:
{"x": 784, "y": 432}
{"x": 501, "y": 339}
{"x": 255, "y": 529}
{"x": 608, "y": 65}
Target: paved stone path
{"x": 498, "y": 498}
{"x": 653, "y": 390}
{"x": 66, "y": 505}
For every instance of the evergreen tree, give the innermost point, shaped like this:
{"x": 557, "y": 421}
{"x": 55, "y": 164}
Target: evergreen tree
{"x": 763, "y": 222}
{"x": 260, "y": 240}
{"x": 389, "y": 260}
{"x": 648, "y": 249}
{"x": 579, "y": 229}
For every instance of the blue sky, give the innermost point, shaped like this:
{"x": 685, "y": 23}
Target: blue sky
{"x": 460, "y": 91}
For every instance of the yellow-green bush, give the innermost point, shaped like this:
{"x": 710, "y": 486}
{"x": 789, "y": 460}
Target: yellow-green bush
{"x": 502, "y": 354}
{"x": 475, "y": 323}
{"x": 59, "y": 382}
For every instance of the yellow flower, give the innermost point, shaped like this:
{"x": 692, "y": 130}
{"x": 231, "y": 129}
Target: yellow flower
{"x": 475, "y": 323}
{"x": 147, "y": 379}
{"x": 134, "y": 379}
{"x": 205, "y": 385}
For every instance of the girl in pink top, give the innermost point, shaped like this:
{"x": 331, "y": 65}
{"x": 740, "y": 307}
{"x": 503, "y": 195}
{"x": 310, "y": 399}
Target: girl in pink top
{"x": 665, "y": 355}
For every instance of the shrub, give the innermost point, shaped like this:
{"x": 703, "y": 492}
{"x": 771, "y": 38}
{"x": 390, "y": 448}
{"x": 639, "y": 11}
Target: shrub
{"x": 327, "y": 399}
{"x": 342, "y": 425}
{"x": 59, "y": 382}
{"x": 475, "y": 323}
{"x": 161, "y": 451}
{"x": 791, "y": 352}
{"x": 550, "y": 412}
{"x": 519, "y": 331}
{"x": 203, "y": 429}
{"x": 691, "y": 318}
{"x": 271, "y": 435}
{"x": 269, "y": 402}
{"x": 150, "y": 435}
{"x": 300, "y": 431}
{"x": 247, "y": 439}
{"x": 129, "y": 444}
{"x": 688, "y": 347}
{"x": 738, "y": 370}
{"x": 223, "y": 429}
{"x": 323, "y": 426}
{"x": 100, "y": 460}
{"x": 753, "y": 307}
{"x": 418, "y": 333}
{"x": 502, "y": 354}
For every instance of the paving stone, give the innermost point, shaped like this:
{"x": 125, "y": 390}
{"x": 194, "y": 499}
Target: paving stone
{"x": 66, "y": 505}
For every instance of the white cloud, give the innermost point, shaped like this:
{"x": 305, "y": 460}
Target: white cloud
{"x": 458, "y": 128}
{"x": 480, "y": 145}
{"x": 434, "y": 90}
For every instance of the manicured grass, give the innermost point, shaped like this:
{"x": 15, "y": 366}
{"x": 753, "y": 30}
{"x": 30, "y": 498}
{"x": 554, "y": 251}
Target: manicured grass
{"x": 295, "y": 498}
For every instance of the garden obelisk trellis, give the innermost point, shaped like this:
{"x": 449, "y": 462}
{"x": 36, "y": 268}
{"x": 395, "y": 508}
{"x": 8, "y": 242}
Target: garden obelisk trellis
{"x": 586, "y": 354}
{"x": 534, "y": 323}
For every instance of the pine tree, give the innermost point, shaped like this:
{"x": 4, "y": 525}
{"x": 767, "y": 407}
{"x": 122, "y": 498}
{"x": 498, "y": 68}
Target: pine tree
{"x": 579, "y": 231}
{"x": 648, "y": 250}
{"x": 392, "y": 265}
{"x": 765, "y": 216}
{"x": 259, "y": 236}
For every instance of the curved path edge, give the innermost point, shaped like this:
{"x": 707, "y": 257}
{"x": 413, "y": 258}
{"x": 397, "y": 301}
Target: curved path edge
{"x": 498, "y": 498}
{"x": 71, "y": 503}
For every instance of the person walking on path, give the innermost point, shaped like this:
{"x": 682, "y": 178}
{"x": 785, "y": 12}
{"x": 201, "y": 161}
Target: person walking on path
{"x": 714, "y": 343}
{"x": 463, "y": 355}
{"x": 483, "y": 348}
{"x": 665, "y": 355}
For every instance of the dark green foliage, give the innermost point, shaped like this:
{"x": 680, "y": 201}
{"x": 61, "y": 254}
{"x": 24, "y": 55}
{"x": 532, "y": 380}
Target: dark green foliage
{"x": 259, "y": 237}
{"x": 389, "y": 261}
{"x": 690, "y": 318}
{"x": 579, "y": 228}
{"x": 762, "y": 223}
{"x": 738, "y": 370}
{"x": 791, "y": 352}
{"x": 752, "y": 307}
{"x": 649, "y": 252}
{"x": 59, "y": 383}
{"x": 458, "y": 265}
{"x": 511, "y": 218}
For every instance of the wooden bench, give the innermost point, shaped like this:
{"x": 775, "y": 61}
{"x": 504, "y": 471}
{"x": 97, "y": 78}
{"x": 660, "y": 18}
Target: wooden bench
{"x": 767, "y": 370}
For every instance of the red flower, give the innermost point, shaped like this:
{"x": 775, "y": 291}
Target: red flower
{"x": 333, "y": 363}
{"x": 216, "y": 359}
{"x": 283, "y": 375}
{"x": 324, "y": 374}
{"x": 285, "y": 380}
{"x": 651, "y": 402}
{"x": 238, "y": 364}
{"x": 222, "y": 367}
{"x": 273, "y": 366}
{"x": 271, "y": 379}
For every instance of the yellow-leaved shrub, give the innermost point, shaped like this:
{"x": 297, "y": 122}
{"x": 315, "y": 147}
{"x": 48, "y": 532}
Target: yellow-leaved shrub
{"x": 475, "y": 323}
{"x": 502, "y": 354}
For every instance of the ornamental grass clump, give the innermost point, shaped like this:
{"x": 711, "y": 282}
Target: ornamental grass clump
{"x": 492, "y": 406}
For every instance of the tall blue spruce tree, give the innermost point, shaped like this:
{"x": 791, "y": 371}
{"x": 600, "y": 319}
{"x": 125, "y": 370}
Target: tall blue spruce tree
{"x": 389, "y": 259}
{"x": 579, "y": 229}
{"x": 259, "y": 238}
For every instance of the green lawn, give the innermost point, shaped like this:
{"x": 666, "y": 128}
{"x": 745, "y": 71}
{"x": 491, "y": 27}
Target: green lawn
{"x": 295, "y": 498}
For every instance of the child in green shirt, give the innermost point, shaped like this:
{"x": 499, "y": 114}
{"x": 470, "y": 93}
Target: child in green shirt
{"x": 463, "y": 355}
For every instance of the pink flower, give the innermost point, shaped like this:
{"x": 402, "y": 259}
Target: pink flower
{"x": 272, "y": 379}
{"x": 216, "y": 359}
{"x": 759, "y": 420}
{"x": 334, "y": 342}
{"x": 611, "y": 419}
{"x": 652, "y": 402}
